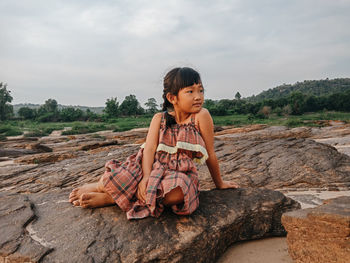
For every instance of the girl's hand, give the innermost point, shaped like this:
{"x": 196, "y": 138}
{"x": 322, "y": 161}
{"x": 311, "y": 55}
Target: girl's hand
{"x": 141, "y": 189}
{"x": 227, "y": 184}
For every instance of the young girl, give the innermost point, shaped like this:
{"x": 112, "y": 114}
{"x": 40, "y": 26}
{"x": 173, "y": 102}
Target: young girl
{"x": 163, "y": 172}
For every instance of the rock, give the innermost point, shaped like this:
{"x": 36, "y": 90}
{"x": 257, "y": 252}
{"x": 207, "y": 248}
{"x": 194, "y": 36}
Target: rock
{"x": 95, "y": 145}
{"x": 38, "y": 147}
{"x": 240, "y": 130}
{"x": 321, "y": 234}
{"x": 49, "y": 229}
{"x": 45, "y": 157}
{"x": 279, "y": 163}
{"x": 15, "y": 152}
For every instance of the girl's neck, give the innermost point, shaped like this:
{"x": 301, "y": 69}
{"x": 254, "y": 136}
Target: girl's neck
{"x": 180, "y": 117}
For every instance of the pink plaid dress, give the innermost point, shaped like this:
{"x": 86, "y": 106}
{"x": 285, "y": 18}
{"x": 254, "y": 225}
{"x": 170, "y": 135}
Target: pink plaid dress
{"x": 179, "y": 147}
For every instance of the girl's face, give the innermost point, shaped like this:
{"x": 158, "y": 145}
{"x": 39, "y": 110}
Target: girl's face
{"x": 190, "y": 99}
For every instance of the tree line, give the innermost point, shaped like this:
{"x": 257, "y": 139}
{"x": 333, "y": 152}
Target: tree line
{"x": 295, "y": 103}
{"x": 49, "y": 112}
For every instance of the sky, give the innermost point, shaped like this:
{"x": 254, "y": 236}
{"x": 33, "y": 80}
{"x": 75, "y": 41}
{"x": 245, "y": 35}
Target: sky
{"x": 83, "y": 52}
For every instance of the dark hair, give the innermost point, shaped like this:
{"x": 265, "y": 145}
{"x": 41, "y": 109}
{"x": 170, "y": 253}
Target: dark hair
{"x": 175, "y": 80}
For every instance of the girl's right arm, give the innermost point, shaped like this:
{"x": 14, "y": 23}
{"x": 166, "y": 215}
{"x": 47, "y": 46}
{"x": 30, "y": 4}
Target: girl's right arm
{"x": 148, "y": 154}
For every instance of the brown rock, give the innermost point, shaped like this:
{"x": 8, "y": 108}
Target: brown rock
{"x": 50, "y": 229}
{"x": 279, "y": 163}
{"x": 321, "y": 234}
{"x": 39, "y": 147}
{"x": 241, "y": 130}
{"x": 91, "y": 146}
{"x": 45, "y": 158}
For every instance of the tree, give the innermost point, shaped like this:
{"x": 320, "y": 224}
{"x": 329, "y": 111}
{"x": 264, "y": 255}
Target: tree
{"x": 112, "y": 108}
{"x": 71, "y": 114}
{"x": 48, "y": 111}
{"x": 130, "y": 106}
{"x": 151, "y": 105}
{"x": 27, "y": 113}
{"x": 297, "y": 102}
{"x": 50, "y": 105}
{"x": 238, "y": 96}
{"x": 6, "y": 110}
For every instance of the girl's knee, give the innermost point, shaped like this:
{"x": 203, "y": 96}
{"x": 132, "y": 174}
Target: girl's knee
{"x": 174, "y": 197}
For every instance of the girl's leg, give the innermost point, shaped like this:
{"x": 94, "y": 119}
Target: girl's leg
{"x": 98, "y": 198}
{"x": 77, "y": 192}
{"x": 174, "y": 197}
{"x": 87, "y": 188}
{"x": 94, "y": 199}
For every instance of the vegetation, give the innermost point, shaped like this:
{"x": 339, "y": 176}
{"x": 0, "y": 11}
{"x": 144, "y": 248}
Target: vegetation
{"x": 290, "y": 105}
{"x": 6, "y": 109}
{"x": 308, "y": 87}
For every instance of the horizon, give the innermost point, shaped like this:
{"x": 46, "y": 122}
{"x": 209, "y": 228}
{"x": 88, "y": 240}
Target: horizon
{"x": 77, "y": 105}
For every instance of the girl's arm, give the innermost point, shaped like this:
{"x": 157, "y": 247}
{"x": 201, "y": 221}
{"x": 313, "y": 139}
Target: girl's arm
{"x": 206, "y": 128}
{"x": 148, "y": 154}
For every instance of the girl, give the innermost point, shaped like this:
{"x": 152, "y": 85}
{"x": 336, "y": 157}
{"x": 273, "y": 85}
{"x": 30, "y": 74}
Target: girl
{"x": 163, "y": 172}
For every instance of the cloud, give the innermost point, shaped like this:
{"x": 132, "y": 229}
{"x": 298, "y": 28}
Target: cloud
{"x": 84, "y": 52}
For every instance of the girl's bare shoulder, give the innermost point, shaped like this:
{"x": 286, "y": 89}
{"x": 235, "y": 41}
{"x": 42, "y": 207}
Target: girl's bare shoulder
{"x": 203, "y": 116}
{"x": 156, "y": 119}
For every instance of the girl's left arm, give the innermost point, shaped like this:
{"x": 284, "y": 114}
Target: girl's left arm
{"x": 206, "y": 128}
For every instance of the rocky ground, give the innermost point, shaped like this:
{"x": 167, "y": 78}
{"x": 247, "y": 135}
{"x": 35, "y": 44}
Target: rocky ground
{"x": 38, "y": 174}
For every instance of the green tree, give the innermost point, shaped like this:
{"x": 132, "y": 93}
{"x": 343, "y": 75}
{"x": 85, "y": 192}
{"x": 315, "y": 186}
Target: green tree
{"x": 151, "y": 105}
{"x": 6, "y": 110}
{"x": 297, "y": 102}
{"x": 48, "y": 111}
{"x": 130, "y": 106}
{"x": 27, "y": 113}
{"x": 91, "y": 116}
{"x": 112, "y": 108}
{"x": 50, "y": 105}
{"x": 238, "y": 96}
{"x": 71, "y": 114}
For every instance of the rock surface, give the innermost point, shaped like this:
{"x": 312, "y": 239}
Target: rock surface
{"x": 40, "y": 225}
{"x": 49, "y": 229}
{"x": 321, "y": 234}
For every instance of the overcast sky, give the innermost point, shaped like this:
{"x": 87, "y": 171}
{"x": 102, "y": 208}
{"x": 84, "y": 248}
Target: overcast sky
{"x": 83, "y": 52}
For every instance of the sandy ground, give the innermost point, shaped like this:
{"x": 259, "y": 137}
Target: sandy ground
{"x": 268, "y": 250}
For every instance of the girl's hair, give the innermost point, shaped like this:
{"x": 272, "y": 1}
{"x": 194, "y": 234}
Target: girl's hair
{"x": 175, "y": 80}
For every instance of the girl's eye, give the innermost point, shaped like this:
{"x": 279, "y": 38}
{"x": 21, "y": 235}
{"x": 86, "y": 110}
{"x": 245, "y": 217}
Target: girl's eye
{"x": 189, "y": 91}
{"x": 202, "y": 90}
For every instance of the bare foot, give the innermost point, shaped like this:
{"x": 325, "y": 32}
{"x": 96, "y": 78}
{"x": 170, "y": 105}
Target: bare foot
{"x": 77, "y": 192}
{"x": 92, "y": 200}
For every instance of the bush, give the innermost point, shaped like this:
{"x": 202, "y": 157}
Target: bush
{"x": 35, "y": 133}
{"x": 294, "y": 123}
{"x": 8, "y": 130}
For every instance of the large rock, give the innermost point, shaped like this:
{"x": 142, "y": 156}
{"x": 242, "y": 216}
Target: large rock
{"x": 49, "y": 229}
{"x": 34, "y": 193}
{"x": 280, "y": 163}
{"x": 321, "y": 234}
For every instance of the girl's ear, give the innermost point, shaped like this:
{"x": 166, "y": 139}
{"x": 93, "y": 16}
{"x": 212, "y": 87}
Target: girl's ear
{"x": 171, "y": 98}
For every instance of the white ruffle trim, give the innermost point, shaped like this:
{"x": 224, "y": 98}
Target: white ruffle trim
{"x": 184, "y": 146}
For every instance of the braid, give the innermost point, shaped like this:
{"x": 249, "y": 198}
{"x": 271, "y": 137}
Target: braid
{"x": 168, "y": 85}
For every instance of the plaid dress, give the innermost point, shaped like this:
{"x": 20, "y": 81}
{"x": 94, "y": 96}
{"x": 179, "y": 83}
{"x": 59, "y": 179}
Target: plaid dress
{"x": 179, "y": 147}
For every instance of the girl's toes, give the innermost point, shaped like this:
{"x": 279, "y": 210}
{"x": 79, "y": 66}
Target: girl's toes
{"x": 76, "y": 203}
{"x": 84, "y": 201}
{"x": 73, "y": 198}
{"x": 84, "y": 197}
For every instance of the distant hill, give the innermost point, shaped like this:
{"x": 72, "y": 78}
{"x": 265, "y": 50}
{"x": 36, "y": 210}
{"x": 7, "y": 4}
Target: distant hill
{"x": 97, "y": 110}
{"x": 308, "y": 87}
